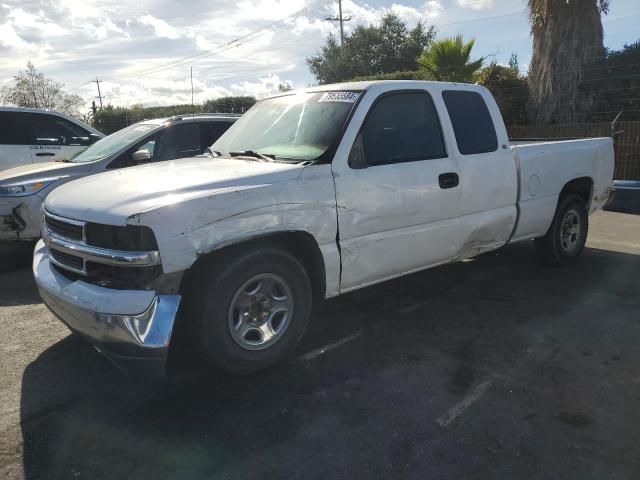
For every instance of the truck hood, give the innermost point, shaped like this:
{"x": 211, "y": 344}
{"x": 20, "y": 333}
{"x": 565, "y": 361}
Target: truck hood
{"x": 112, "y": 197}
{"x": 39, "y": 171}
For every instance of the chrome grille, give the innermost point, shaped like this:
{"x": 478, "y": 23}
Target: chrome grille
{"x": 66, "y": 228}
{"x": 67, "y": 260}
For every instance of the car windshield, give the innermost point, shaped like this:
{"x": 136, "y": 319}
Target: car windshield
{"x": 297, "y": 127}
{"x": 114, "y": 143}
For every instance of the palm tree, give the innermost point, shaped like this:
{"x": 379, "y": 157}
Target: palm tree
{"x": 449, "y": 60}
{"x": 567, "y": 44}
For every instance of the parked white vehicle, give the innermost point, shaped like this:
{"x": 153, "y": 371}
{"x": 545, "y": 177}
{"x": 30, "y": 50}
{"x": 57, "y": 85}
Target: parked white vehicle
{"x": 23, "y": 189}
{"x": 314, "y": 193}
{"x": 30, "y": 135}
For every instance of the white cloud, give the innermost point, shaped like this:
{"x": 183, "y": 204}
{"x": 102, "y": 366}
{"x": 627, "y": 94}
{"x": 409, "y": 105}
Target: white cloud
{"x": 160, "y": 27}
{"x": 10, "y": 39}
{"x": 476, "y": 4}
{"x": 261, "y": 88}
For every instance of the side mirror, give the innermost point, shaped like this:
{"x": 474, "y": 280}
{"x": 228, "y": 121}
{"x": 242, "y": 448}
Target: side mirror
{"x": 93, "y": 138}
{"x": 141, "y": 156}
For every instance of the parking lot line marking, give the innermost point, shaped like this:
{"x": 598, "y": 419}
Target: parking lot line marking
{"x": 459, "y": 408}
{"x": 316, "y": 353}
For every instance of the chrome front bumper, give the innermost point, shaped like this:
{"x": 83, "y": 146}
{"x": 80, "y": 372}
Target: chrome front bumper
{"x": 130, "y": 327}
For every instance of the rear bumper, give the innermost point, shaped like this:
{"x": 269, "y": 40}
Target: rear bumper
{"x": 132, "y": 328}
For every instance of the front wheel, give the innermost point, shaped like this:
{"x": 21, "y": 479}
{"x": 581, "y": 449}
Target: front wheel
{"x": 250, "y": 308}
{"x": 567, "y": 234}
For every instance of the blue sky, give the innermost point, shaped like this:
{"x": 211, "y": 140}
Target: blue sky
{"x": 143, "y": 51}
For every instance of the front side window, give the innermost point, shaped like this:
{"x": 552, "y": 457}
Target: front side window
{"x": 114, "y": 143}
{"x": 400, "y": 127}
{"x": 471, "y": 120}
{"x": 297, "y": 127}
{"x": 54, "y": 130}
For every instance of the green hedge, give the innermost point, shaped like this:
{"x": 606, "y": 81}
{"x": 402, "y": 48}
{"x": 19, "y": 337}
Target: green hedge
{"x": 111, "y": 119}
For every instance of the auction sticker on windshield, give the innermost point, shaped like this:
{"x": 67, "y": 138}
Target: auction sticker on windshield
{"x": 346, "y": 97}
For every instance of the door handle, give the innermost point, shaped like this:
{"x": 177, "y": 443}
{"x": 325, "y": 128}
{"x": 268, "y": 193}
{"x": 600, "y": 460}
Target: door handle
{"x": 45, "y": 154}
{"x": 448, "y": 180}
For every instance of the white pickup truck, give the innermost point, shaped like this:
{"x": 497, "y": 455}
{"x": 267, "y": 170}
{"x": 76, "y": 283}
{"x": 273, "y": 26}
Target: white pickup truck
{"x": 309, "y": 195}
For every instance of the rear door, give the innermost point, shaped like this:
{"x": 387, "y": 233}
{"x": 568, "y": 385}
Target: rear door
{"x": 398, "y": 193}
{"x": 54, "y": 138}
{"x": 14, "y": 148}
{"x": 488, "y": 174}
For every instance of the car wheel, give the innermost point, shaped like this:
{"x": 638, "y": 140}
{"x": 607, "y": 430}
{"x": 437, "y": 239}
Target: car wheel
{"x": 567, "y": 235}
{"x": 251, "y": 308}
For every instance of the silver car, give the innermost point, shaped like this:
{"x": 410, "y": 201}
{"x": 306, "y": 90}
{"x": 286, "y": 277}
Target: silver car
{"x": 23, "y": 189}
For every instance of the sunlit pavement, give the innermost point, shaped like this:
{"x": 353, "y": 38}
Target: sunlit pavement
{"x": 492, "y": 368}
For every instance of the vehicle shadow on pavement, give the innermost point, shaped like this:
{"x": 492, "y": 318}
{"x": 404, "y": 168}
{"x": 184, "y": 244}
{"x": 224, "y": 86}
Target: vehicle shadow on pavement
{"x": 366, "y": 408}
{"x": 16, "y": 278}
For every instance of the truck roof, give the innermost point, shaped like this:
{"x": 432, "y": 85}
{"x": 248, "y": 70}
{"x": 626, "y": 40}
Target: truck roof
{"x": 364, "y": 85}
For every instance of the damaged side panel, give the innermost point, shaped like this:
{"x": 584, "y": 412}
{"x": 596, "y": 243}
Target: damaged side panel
{"x": 185, "y": 231}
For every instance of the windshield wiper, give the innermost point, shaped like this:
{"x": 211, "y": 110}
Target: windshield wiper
{"x": 254, "y": 154}
{"x": 212, "y": 153}
{"x": 63, "y": 160}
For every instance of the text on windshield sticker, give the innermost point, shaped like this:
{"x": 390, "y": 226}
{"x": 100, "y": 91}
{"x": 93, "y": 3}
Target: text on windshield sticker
{"x": 347, "y": 97}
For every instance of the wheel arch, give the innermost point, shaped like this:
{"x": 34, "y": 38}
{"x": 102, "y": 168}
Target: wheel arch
{"x": 580, "y": 186}
{"x": 300, "y": 243}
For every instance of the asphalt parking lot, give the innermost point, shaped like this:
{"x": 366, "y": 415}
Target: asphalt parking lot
{"x": 494, "y": 368}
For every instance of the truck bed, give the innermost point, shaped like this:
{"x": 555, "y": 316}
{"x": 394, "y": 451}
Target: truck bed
{"x": 544, "y": 167}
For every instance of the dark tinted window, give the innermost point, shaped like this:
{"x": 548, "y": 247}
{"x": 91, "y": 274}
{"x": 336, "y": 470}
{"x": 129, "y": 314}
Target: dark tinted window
{"x": 179, "y": 141}
{"x": 472, "y": 123}
{"x": 401, "y": 127}
{"x": 53, "y": 130}
{"x": 13, "y": 128}
{"x": 212, "y": 131}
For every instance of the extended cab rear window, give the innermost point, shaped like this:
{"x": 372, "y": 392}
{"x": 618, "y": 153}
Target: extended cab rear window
{"x": 471, "y": 120}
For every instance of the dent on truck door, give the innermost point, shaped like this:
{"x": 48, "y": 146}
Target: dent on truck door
{"x": 398, "y": 199}
{"x": 488, "y": 172}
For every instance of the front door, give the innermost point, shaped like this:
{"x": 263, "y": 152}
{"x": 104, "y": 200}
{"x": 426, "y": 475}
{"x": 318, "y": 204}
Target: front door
{"x": 54, "y": 138}
{"x": 398, "y": 194}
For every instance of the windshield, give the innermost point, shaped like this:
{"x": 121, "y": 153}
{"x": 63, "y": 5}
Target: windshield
{"x": 294, "y": 127}
{"x": 114, "y": 143}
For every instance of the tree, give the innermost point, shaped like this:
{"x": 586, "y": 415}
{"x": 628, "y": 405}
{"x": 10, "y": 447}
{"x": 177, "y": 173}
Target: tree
{"x": 32, "y": 89}
{"x": 567, "y": 42}
{"x": 616, "y": 85}
{"x": 285, "y": 87}
{"x": 509, "y": 88}
{"x": 449, "y": 60}
{"x": 373, "y": 50}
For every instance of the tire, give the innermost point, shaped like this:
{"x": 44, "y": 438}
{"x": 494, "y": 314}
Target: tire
{"x": 567, "y": 235}
{"x": 224, "y": 301}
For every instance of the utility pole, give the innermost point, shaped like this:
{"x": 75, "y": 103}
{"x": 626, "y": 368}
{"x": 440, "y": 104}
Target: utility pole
{"x": 340, "y": 19}
{"x": 192, "y": 87}
{"x": 99, "y": 94}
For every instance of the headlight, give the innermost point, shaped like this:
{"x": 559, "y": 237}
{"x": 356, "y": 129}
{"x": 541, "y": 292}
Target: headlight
{"x": 25, "y": 188}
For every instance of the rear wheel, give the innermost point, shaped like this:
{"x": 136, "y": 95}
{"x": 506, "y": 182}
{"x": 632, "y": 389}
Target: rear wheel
{"x": 567, "y": 234}
{"x": 249, "y": 308}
